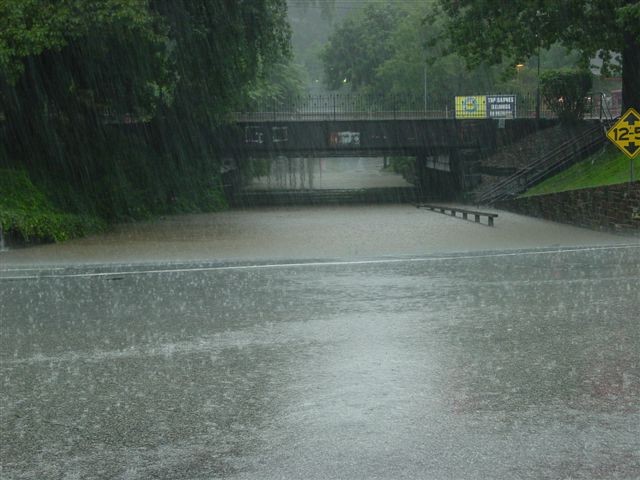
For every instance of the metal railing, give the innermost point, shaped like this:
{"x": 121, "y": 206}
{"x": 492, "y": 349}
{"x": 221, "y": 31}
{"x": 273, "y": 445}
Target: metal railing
{"x": 550, "y": 163}
{"x": 384, "y": 107}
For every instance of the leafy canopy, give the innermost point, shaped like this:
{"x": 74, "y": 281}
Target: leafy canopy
{"x": 487, "y": 30}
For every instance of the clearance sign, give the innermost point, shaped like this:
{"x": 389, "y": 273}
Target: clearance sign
{"x": 486, "y": 106}
{"x": 625, "y": 133}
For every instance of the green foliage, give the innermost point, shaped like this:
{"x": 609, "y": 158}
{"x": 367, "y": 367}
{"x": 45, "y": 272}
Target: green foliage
{"x": 281, "y": 81}
{"x": 221, "y": 49}
{"x": 516, "y": 29}
{"x": 400, "y": 48}
{"x": 490, "y": 31}
{"x": 405, "y": 166}
{"x": 565, "y": 92}
{"x": 75, "y": 73}
{"x": 30, "y": 27}
{"x": 359, "y": 45}
{"x": 25, "y": 212}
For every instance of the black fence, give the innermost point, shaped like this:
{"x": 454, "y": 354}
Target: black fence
{"x": 386, "y": 107}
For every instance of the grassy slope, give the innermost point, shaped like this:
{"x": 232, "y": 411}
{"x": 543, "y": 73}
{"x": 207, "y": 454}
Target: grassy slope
{"x": 607, "y": 167}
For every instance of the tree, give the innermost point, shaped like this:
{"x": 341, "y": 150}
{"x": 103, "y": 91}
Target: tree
{"x": 565, "y": 92}
{"x": 71, "y": 69}
{"x": 359, "y": 46}
{"x": 421, "y": 57}
{"x": 486, "y": 30}
{"x": 387, "y": 49}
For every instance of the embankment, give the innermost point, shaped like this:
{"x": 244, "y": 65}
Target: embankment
{"x": 613, "y": 208}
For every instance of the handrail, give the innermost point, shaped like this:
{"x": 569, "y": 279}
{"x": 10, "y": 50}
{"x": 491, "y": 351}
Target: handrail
{"x": 605, "y": 114}
{"x": 542, "y": 173}
{"x": 546, "y": 161}
{"x": 547, "y": 158}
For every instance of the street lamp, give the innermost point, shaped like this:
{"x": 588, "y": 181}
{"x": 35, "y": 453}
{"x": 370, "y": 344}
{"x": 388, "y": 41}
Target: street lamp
{"x": 519, "y": 86}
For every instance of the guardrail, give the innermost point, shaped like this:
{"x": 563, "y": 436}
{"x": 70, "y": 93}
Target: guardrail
{"x": 453, "y": 211}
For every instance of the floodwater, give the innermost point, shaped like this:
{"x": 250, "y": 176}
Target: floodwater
{"x": 360, "y": 342}
{"x": 323, "y": 232}
{"x": 327, "y": 173}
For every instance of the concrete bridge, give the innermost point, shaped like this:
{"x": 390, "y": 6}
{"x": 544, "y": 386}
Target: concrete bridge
{"x": 369, "y": 137}
{"x": 446, "y": 150}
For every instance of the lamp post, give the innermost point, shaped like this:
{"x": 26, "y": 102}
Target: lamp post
{"x": 520, "y": 90}
{"x": 540, "y": 16}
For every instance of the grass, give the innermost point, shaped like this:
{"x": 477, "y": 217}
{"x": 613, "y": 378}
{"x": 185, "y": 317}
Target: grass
{"x": 607, "y": 167}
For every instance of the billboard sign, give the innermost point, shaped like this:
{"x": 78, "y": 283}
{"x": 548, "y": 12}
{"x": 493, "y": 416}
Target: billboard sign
{"x": 471, "y": 106}
{"x": 501, "y": 106}
{"x": 486, "y": 106}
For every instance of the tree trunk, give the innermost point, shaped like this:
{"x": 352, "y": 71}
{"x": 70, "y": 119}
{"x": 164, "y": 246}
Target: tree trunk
{"x": 631, "y": 72}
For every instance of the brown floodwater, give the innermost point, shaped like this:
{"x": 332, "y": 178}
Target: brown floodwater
{"x": 319, "y": 232}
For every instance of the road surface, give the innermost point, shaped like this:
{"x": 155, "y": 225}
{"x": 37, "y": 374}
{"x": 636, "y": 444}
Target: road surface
{"x": 502, "y": 363}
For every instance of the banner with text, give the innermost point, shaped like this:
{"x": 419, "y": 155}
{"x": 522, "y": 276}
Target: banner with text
{"x": 501, "y": 106}
{"x": 486, "y": 106}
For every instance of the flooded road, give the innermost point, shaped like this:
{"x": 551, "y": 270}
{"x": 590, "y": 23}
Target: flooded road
{"x": 520, "y": 365}
{"x": 286, "y": 233}
{"x": 322, "y": 343}
{"x": 328, "y": 173}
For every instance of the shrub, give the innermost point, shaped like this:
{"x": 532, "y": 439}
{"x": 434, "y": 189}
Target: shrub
{"x": 26, "y": 213}
{"x": 566, "y": 92}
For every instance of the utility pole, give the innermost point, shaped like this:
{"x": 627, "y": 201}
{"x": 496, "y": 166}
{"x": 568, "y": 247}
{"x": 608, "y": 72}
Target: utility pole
{"x": 425, "y": 89}
{"x": 538, "y": 87}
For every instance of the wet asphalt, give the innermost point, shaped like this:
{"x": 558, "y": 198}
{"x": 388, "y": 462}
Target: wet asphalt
{"x": 505, "y": 364}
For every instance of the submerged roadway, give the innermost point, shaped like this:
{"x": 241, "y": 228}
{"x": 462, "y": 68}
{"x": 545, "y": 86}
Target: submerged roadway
{"x": 345, "y": 342}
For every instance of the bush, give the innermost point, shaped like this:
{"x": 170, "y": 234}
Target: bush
{"x": 405, "y": 166}
{"x": 565, "y": 92}
{"x": 26, "y": 213}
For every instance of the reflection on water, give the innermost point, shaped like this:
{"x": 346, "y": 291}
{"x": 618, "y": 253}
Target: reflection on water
{"x": 282, "y": 173}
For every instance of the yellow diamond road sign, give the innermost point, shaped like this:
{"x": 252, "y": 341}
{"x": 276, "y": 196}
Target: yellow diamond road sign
{"x": 626, "y": 133}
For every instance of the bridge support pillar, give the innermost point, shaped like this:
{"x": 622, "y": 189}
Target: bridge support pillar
{"x": 437, "y": 184}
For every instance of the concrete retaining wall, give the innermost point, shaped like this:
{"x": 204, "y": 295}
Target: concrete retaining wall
{"x": 613, "y": 208}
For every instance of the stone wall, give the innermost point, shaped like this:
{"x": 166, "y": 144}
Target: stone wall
{"x": 612, "y": 208}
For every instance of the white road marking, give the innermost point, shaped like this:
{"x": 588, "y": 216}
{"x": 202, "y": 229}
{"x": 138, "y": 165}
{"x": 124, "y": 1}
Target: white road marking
{"x": 386, "y": 261}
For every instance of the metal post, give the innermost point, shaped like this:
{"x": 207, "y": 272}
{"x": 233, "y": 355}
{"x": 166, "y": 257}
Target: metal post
{"x": 334, "y": 106}
{"x": 425, "y": 89}
{"x": 538, "y": 88}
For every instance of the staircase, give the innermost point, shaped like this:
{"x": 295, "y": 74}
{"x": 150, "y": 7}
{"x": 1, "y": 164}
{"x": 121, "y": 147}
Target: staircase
{"x": 552, "y": 160}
